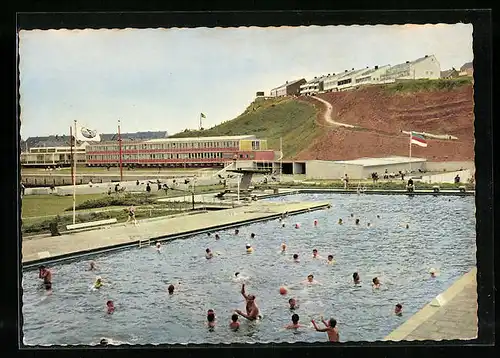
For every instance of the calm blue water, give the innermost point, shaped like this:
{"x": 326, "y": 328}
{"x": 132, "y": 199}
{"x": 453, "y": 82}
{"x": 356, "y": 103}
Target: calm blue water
{"x": 441, "y": 235}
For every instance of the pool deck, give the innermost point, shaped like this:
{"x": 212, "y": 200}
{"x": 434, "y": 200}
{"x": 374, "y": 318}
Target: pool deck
{"x": 451, "y": 315}
{"x": 79, "y": 244}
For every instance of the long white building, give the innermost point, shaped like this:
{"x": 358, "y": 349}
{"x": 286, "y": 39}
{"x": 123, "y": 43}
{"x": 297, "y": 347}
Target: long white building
{"x": 426, "y": 67}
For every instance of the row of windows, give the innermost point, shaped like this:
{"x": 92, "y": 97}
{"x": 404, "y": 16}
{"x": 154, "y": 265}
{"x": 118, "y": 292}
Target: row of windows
{"x": 157, "y": 156}
{"x": 172, "y": 145}
{"x": 56, "y": 150}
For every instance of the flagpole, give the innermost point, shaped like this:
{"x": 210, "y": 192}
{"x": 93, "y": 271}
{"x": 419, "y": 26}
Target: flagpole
{"x": 71, "y": 150}
{"x": 74, "y": 180}
{"x": 410, "y": 150}
{"x": 120, "y": 150}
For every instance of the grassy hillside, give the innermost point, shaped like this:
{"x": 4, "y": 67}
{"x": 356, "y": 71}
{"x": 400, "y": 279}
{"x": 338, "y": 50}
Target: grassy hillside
{"x": 270, "y": 119}
{"x": 427, "y": 85}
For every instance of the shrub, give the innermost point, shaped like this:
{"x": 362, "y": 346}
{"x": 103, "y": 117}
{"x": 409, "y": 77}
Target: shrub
{"x": 116, "y": 200}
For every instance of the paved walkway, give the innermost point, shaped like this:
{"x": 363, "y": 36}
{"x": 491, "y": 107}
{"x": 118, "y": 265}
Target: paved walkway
{"x": 451, "y": 315}
{"x": 47, "y": 247}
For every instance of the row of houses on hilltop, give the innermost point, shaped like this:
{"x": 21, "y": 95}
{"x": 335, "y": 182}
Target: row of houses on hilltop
{"x": 426, "y": 67}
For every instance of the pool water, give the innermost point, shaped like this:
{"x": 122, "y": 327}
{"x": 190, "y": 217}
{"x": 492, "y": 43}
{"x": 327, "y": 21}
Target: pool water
{"x": 441, "y": 235}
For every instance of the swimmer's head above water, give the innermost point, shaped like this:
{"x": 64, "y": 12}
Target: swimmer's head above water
{"x": 171, "y": 289}
{"x": 315, "y": 252}
{"x": 293, "y": 303}
{"x": 296, "y": 257}
{"x": 252, "y": 235}
{"x": 236, "y": 274}
{"x": 330, "y": 257}
{"x": 283, "y": 246}
{"x": 310, "y": 278}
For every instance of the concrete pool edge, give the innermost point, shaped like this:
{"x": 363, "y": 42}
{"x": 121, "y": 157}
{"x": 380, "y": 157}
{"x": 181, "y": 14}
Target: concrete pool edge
{"x": 77, "y": 255}
{"x": 432, "y": 308}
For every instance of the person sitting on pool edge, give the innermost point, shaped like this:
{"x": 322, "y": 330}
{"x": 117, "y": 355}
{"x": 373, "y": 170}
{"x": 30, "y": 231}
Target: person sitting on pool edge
{"x": 234, "y": 325}
{"x": 330, "y": 329}
{"x": 252, "y": 309}
{"x": 208, "y": 254}
{"x": 295, "y": 322}
{"x": 355, "y": 278}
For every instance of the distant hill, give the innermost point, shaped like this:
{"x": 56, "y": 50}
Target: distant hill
{"x": 380, "y": 112}
{"x": 270, "y": 119}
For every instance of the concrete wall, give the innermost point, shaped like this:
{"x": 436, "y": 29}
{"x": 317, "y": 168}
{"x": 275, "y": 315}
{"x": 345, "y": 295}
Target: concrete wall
{"x": 322, "y": 169}
{"x": 449, "y": 166}
{"x": 448, "y": 177}
{"x": 391, "y": 168}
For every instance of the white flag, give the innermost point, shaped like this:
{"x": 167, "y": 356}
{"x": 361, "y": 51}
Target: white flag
{"x": 84, "y": 134}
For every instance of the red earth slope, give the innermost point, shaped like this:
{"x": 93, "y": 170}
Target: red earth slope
{"x": 382, "y": 116}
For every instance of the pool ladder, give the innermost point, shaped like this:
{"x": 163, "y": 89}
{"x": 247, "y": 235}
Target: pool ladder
{"x": 144, "y": 243}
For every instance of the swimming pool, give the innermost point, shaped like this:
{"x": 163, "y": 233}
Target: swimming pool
{"x": 441, "y": 234}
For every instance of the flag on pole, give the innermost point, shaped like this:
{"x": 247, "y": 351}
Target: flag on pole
{"x": 418, "y": 139}
{"x": 202, "y": 115}
{"x": 84, "y": 134}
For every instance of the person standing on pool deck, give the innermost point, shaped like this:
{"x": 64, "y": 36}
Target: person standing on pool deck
{"x": 45, "y": 274}
{"x": 131, "y": 214}
{"x": 252, "y": 309}
{"x": 330, "y": 329}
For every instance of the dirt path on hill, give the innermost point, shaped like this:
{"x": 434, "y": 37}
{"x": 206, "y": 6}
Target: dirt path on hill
{"x": 328, "y": 115}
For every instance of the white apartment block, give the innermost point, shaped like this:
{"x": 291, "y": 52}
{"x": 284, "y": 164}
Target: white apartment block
{"x": 313, "y": 87}
{"x": 426, "y": 67}
{"x": 371, "y": 75}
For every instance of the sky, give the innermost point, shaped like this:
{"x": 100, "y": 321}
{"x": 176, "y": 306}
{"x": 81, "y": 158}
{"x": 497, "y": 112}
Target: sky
{"x": 162, "y": 79}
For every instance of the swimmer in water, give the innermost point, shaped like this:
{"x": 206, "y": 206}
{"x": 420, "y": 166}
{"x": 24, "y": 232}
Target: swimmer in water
{"x": 407, "y": 226}
{"x": 92, "y": 266}
{"x": 45, "y": 274}
{"x": 110, "y": 307}
{"x": 433, "y": 273}
{"x": 310, "y": 280}
{"x": 211, "y": 318}
{"x": 283, "y": 225}
{"x": 376, "y": 282}
{"x": 234, "y": 325}
{"x": 296, "y": 258}
{"x": 352, "y": 215}
{"x": 171, "y": 289}
{"x": 217, "y": 237}
{"x": 103, "y": 342}
{"x": 208, "y": 254}
{"x": 249, "y": 248}
{"x": 98, "y": 283}
{"x": 315, "y": 222}
{"x": 355, "y": 278}
{"x": 340, "y": 222}
{"x": 295, "y": 322}
{"x": 283, "y": 247}
{"x": 398, "y": 310}
{"x": 158, "y": 247}
{"x": 368, "y": 224}
{"x": 252, "y": 235}
{"x": 330, "y": 329}
{"x": 330, "y": 260}
{"x": 236, "y": 232}
{"x": 252, "y": 309}
{"x": 357, "y": 221}
{"x": 315, "y": 254}
{"x": 293, "y": 304}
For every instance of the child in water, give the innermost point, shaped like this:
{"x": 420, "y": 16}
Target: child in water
{"x": 295, "y": 322}
{"x": 211, "y": 318}
{"x": 398, "y": 310}
{"x": 110, "y": 307}
{"x": 234, "y": 325}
